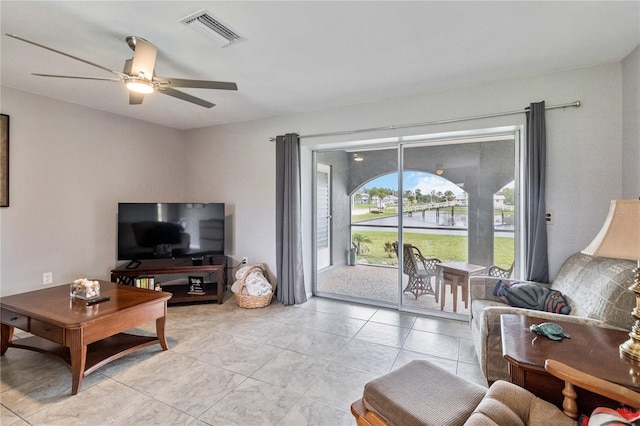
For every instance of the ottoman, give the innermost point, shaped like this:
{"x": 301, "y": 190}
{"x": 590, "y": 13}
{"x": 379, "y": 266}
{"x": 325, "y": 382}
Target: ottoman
{"x": 421, "y": 393}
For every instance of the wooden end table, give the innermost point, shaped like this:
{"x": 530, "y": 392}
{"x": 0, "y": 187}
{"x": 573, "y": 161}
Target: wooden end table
{"x": 86, "y": 337}
{"x": 593, "y": 350}
{"x": 457, "y": 274}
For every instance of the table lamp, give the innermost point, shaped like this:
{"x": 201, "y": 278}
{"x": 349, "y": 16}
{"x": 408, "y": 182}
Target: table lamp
{"x": 619, "y": 238}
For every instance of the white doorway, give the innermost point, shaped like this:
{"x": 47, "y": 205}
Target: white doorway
{"x": 323, "y": 203}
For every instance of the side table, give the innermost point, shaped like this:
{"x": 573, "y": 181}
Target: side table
{"x": 593, "y": 350}
{"x": 457, "y": 274}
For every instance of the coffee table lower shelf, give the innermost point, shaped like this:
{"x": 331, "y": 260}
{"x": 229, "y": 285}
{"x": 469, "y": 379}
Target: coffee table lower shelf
{"x": 98, "y": 353}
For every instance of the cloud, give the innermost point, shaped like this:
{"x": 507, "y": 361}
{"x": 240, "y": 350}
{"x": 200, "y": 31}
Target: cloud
{"x": 427, "y": 182}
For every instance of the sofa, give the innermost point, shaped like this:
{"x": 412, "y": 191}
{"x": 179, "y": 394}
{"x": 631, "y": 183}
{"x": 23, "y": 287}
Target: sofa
{"x": 596, "y": 289}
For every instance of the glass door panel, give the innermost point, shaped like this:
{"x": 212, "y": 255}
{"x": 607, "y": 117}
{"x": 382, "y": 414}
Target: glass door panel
{"x": 364, "y": 224}
{"x": 449, "y": 204}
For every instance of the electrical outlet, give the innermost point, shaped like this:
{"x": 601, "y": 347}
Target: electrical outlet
{"x": 244, "y": 260}
{"x": 549, "y": 217}
{"x": 47, "y": 278}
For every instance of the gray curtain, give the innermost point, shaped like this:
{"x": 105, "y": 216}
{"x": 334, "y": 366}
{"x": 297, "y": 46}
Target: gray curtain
{"x": 291, "y": 289}
{"x": 536, "y": 261}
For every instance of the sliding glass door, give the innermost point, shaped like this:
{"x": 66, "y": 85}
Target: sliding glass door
{"x": 455, "y": 219}
{"x": 364, "y": 212}
{"x": 412, "y": 221}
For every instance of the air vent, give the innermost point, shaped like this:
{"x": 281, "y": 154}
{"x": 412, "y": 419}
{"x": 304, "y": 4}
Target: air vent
{"x": 212, "y": 28}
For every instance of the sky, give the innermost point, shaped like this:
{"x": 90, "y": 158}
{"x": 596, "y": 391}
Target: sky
{"x": 426, "y": 182}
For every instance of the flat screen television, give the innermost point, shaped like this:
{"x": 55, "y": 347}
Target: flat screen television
{"x": 170, "y": 230}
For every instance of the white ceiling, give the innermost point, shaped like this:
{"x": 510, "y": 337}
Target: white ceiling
{"x": 305, "y": 56}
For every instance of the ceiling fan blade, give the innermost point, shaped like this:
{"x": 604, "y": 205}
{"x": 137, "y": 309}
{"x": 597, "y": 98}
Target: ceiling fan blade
{"x": 135, "y": 98}
{"x": 144, "y": 57}
{"x": 66, "y": 54}
{"x": 115, "y": 80}
{"x": 185, "y": 97}
{"x": 197, "y": 84}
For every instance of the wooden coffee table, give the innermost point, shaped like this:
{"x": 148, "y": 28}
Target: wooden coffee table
{"x": 86, "y": 337}
{"x": 593, "y": 350}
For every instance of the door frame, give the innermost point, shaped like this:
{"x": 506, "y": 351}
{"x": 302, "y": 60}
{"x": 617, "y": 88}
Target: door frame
{"x": 323, "y": 257}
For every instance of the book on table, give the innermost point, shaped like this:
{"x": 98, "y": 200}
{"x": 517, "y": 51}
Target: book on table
{"x": 145, "y": 282}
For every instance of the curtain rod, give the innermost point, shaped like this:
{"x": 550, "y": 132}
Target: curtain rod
{"x": 430, "y": 123}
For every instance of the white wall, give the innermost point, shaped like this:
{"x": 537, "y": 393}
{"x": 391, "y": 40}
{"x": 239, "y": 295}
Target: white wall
{"x": 631, "y": 125}
{"x": 236, "y": 165}
{"x": 69, "y": 167}
{"x": 584, "y": 152}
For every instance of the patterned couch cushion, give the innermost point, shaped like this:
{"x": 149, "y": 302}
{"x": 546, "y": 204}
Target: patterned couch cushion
{"x": 598, "y": 288}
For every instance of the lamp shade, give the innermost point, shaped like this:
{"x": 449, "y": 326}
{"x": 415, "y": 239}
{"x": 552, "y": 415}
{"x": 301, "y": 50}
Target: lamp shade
{"x": 619, "y": 237}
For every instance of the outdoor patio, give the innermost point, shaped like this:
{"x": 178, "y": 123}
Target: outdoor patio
{"x": 379, "y": 283}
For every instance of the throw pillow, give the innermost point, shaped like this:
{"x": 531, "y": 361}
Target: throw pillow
{"x": 531, "y": 296}
{"x": 602, "y": 416}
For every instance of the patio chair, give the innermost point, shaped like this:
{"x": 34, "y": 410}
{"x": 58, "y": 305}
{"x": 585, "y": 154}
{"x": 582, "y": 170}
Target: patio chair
{"x": 420, "y": 271}
{"x": 498, "y": 272}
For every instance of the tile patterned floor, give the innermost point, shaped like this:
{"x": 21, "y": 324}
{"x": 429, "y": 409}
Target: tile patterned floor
{"x": 281, "y": 365}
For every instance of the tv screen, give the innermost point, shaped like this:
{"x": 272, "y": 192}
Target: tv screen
{"x": 170, "y": 230}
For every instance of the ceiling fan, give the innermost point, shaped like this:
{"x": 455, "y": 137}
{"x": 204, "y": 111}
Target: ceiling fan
{"x": 139, "y": 76}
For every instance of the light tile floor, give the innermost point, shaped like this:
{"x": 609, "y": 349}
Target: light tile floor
{"x": 280, "y": 365}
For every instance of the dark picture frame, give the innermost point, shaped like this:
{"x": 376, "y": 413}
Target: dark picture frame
{"x": 196, "y": 285}
{"x": 4, "y": 160}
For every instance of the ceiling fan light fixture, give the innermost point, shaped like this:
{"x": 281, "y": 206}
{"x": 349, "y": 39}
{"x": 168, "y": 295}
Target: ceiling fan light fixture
{"x": 139, "y": 86}
{"x": 139, "y": 77}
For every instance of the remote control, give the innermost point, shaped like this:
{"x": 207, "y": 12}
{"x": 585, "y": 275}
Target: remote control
{"x": 94, "y": 301}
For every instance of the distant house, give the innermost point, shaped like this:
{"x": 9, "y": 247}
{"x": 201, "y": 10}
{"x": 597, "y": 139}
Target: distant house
{"x": 498, "y": 201}
{"x": 360, "y": 198}
{"x": 390, "y": 199}
{"x": 461, "y": 200}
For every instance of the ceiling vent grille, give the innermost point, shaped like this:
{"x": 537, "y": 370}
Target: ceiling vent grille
{"x": 212, "y": 28}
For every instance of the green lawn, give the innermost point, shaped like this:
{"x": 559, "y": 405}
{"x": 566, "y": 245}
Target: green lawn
{"x": 444, "y": 247}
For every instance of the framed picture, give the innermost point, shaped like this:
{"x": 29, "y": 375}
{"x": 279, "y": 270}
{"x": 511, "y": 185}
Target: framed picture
{"x": 4, "y": 160}
{"x": 196, "y": 285}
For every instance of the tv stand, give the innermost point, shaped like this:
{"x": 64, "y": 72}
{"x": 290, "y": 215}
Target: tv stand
{"x": 213, "y": 264}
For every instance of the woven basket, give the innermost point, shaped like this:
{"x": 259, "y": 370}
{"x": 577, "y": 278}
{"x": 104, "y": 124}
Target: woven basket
{"x": 251, "y": 302}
